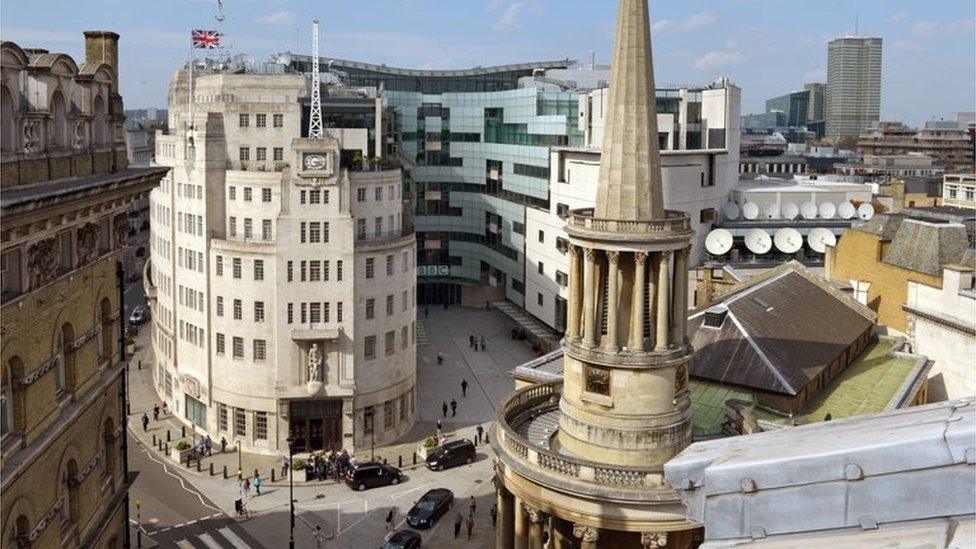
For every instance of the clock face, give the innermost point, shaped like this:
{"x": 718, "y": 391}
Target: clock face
{"x": 315, "y": 162}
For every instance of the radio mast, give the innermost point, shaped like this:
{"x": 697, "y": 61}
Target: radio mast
{"x": 315, "y": 116}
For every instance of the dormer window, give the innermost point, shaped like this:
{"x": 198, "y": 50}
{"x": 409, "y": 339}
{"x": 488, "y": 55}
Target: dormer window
{"x": 715, "y": 316}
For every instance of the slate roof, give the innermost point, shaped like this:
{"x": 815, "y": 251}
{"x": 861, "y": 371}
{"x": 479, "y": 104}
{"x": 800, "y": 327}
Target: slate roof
{"x": 56, "y": 188}
{"x": 781, "y": 330}
{"x": 926, "y": 247}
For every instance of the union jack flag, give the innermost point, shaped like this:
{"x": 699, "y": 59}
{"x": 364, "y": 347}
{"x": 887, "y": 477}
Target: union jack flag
{"x": 205, "y": 39}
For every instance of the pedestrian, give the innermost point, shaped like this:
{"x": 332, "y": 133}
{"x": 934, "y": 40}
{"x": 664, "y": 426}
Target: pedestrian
{"x": 156, "y": 412}
{"x": 482, "y": 343}
{"x": 453, "y": 408}
{"x": 440, "y": 434}
{"x": 247, "y": 487}
{"x": 208, "y": 444}
{"x": 257, "y": 483}
{"x": 438, "y": 425}
{"x": 389, "y": 519}
{"x": 223, "y": 445}
{"x": 471, "y": 506}
{"x": 240, "y": 474}
{"x": 318, "y": 536}
{"x": 494, "y": 514}
{"x": 444, "y": 408}
{"x": 145, "y": 422}
{"x": 464, "y": 387}
{"x": 470, "y": 340}
{"x": 458, "y": 520}
{"x": 440, "y": 357}
{"x": 470, "y": 525}
{"x": 165, "y": 408}
{"x": 284, "y": 466}
{"x": 479, "y": 430}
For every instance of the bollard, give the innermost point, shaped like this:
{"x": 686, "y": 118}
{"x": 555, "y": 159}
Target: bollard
{"x": 486, "y": 437}
{"x": 415, "y": 458}
{"x": 140, "y": 364}
{"x": 167, "y": 448}
{"x": 128, "y": 408}
{"x": 211, "y": 468}
{"x": 272, "y": 474}
{"x": 400, "y": 460}
{"x": 225, "y": 472}
{"x": 167, "y": 435}
{"x": 198, "y": 465}
{"x": 183, "y": 431}
{"x": 154, "y": 439}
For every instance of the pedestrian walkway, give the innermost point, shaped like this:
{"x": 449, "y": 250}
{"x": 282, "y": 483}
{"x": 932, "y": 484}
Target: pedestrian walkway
{"x": 217, "y": 534}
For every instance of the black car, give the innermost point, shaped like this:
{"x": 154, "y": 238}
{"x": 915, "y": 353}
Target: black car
{"x": 403, "y": 539}
{"x": 430, "y": 507}
{"x": 451, "y": 454}
{"x": 371, "y": 475}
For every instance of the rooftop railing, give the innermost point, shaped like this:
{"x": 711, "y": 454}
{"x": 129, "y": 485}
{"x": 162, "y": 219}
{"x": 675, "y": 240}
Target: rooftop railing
{"x": 673, "y": 222}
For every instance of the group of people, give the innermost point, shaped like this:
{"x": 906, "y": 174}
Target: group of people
{"x": 330, "y": 465}
{"x": 459, "y": 520}
{"x": 475, "y": 342}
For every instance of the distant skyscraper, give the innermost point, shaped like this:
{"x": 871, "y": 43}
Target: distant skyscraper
{"x": 815, "y": 104}
{"x": 853, "y": 85}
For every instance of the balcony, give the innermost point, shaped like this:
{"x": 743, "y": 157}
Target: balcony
{"x": 675, "y": 225}
{"x": 384, "y": 237}
{"x": 526, "y": 441}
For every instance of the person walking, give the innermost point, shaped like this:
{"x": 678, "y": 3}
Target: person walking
{"x": 223, "y": 445}
{"x": 208, "y": 444}
{"x": 444, "y": 408}
{"x": 257, "y": 483}
{"x": 165, "y": 408}
{"x": 453, "y": 408}
{"x": 470, "y": 525}
{"x": 472, "y": 505}
{"x": 482, "y": 343}
{"x": 145, "y": 422}
{"x": 247, "y": 487}
{"x": 284, "y": 466}
{"x": 458, "y": 520}
{"x": 479, "y": 430}
{"x": 389, "y": 519}
{"x": 494, "y": 515}
{"x": 471, "y": 340}
{"x": 156, "y": 412}
{"x": 464, "y": 387}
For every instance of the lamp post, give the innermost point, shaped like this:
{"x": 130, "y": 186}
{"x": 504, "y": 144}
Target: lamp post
{"x": 372, "y": 429}
{"x": 291, "y": 492}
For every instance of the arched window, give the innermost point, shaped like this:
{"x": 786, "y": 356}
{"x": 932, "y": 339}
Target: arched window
{"x": 8, "y": 129}
{"x": 9, "y": 395}
{"x": 99, "y": 121}
{"x": 69, "y": 496}
{"x": 21, "y": 533}
{"x": 108, "y": 435}
{"x": 105, "y": 315}
{"x": 64, "y": 369}
{"x": 59, "y": 121}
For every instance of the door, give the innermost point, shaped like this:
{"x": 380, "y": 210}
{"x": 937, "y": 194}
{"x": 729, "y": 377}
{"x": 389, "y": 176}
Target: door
{"x": 316, "y": 433}
{"x": 333, "y": 433}
{"x": 298, "y": 429}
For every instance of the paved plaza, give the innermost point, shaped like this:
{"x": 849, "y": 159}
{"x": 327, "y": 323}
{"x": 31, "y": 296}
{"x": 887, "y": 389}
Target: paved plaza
{"x": 181, "y": 507}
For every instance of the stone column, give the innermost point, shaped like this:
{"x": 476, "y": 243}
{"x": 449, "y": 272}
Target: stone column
{"x": 636, "y": 342}
{"x": 655, "y": 259}
{"x": 505, "y": 529}
{"x": 589, "y": 301}
{"x": 562, "y": 534}
{"x": 663, "y": 302}
{"x": 654, "y": 540}
{"x": 521, "y": 537}
{"x": 587, "y": 535}
{"x": 575, "y": 281}
{"x": 613, "y": 293}
{"x": 679, "y": 318}
{"x": 536, "y": 518}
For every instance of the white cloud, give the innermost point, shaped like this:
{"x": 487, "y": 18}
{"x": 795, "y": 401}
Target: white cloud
{"x": 924, "y": 29}
{"x": 697, "y": 21}
{"x": 283, "y": 17}
{"x": 715, "y": 59}
{"x": 512, "y": 14}
{"x": 897, "y": 16}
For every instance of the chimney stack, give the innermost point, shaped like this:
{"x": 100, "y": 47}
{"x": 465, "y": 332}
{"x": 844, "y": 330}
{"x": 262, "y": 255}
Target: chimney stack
{"x": 103, "y": 47}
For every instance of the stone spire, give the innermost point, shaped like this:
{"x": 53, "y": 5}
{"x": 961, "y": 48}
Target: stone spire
{"x": 630, "y": 171}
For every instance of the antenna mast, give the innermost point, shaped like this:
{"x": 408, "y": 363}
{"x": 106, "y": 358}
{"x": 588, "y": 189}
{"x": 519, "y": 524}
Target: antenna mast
{"x": 315, "y": 117}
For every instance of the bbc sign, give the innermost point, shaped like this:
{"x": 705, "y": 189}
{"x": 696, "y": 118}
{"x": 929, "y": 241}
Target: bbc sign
{"x": 433, "y": 270}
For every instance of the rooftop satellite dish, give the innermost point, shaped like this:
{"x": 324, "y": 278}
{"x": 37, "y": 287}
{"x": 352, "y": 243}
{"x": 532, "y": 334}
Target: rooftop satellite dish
{"x": 846, "y": 210}
{"x": 865, "y": 211}
{"x": 750, "y": 210}
{"x": 820, "y": 238}
{"x": 731, "y": 210}
{"x": 808, "y": 210}
{"x": 718, "y": 242}
{"x": 771, "y": 210}
{"x": 790, "y": 210}
{"x": 827, "y": 210}
{"x": 758, "y": 241}
{"x": 788, "y": 240}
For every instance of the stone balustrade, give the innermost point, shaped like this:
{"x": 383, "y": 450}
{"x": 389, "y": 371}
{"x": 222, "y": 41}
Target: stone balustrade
{"x": 674, "y": 223}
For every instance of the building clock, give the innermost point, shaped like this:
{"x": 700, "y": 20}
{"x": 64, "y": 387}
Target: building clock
{"x": 315, "y": 162}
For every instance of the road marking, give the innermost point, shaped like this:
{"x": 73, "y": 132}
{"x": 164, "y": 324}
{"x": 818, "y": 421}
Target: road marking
{"x": 366, "y": 513}
{"x": 209, "y": 541}
{"x": 396, "y": 495}
{"x": 184, "y": 544}
{"x": 179, "y": 478}
{"x": 237, "y": 542}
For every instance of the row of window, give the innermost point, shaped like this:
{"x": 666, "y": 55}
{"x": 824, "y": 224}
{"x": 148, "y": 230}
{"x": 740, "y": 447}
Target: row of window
{"x": 378, "y": 227}
{"x": 248, "y": 194}
{"x": 313, "y": 270}
{"x": 186, "y": 190}
{"x": 237, "y": 267}
{"x": 192, "y": 334}
{"x": 390, "y": 260}
{"x": 389, "y": 339}
{"x": 371, "y": 305}
{"x": 314, "y": 313}
{"x": 266, "y": 228}
{"x": 314, "y": 232}
{"x": 190, "y": 259}
{"x": 238, "y": 307}
{"x": 404, "y": 402}
{"x": 261, "y": 120}
{"x": 259, "y": 347}
{"x": 191, "y": 298}
{"x": 261, "y": 154}
{"x": 240, "y": 422}
{"x": 314, "y": 196}
{"x": 188, "y": 223}
{"x": 391, "y": 193}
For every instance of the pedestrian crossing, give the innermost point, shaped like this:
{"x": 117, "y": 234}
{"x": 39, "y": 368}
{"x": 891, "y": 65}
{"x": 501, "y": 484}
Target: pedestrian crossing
{"x": 221, "y": 538}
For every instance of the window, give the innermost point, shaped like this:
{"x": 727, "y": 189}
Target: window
{"x": 325, "y": 270}
{"x": 378, "y": 227}
{"x": 302, "y": 232}
{"x": 290, "y": 271}
{"x": 291, "y": 312}
{"x": 220, "y": 265}
{"x": 542, "y": 237}
{"x": 539, "y": 299}
{"x": 390, "y": 342}
{"x": 260, "y": 349}
{"x": 221, "y": 416}
{"x": 304, "y": 313}
{"x": 279, "y": 153}
{"x": 315, "y": 196}
{"x": 339, "y": 312}
{"x": 196, "y": 411}
{"x": 238, "y": 347}
{"x": 597, "y": 380}
{"x": 389, "y": 265}
{"x": 562, "y": 278}
{"x": 266, "y": 230}
{"x": 261, "y": 120}
{"x": 240, "y": 429}
{"x": 360, "y": 195}
{"x": 403, "y": 337}
{"x": 220, "y": 305}
{"x": 378, "y": 194}
{"x": 403, "y": 300}
{"x": 325, "y": 232}
{"x": 325, "y": 196}
{"x": 389, "y": 305}
{"x": 237, "y": 267}
{"x": 220, "y": 344}
{"x": 388, "y": 414}
{"x": 369, "y": 267}
{"x": 248, "y": 228}
{"x": 232, "y": 224}
{"x": 368, "y": 414}
{"x": 339, "y": 270}
{"x": 278, "y": 120}
{"x": 304, "y": 270}
{"x": 542, "y": 268}
{"x": 315, "y": 313}
{"x": 262, "y": 154}
{"x": 562, "y": 210}
{"x": 315, "y": 232}
{"x": 360, "y": 229}
{"x": 238, "y": 309}
{"x": 314, "y": 271}
{"x": 248, "y": 194}
{"x": 244, "y": 120}
{"x": 706, "y": 215}
{"x": 261, "y": 424}
{"x": 369, "y": 347}
{"x": 258, "y": 311}
{"x": 370, "y": 308}
{"x": 403, "y": 407}
{"x": 325, "y": 312}
{"x": 244, "y": 154}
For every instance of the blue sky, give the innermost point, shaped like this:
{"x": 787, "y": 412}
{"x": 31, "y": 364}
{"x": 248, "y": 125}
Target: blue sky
{"x": 767, "y": 47}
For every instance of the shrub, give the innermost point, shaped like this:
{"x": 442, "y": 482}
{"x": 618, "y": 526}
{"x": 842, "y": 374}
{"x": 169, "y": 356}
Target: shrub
{"x": 298, "y": 464}
{"x": 430, "y": 442}
{"x": 182, "y": 445}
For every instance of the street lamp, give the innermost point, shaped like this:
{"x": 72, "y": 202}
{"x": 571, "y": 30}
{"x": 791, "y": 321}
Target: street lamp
{"x": 372, "y": 429}
{"x": 291, "y": 492}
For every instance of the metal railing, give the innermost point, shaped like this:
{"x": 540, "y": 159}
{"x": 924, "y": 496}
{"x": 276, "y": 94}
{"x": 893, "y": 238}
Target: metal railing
{"x": 674, "y": 222}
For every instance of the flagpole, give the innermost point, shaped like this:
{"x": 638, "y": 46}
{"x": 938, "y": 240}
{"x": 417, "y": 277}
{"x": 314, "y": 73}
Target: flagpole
{"x": 190, "y": 91}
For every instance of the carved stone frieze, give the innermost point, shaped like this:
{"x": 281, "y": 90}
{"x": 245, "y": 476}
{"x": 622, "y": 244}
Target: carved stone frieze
{"x": 88, "y": 242}
{"x": 43, "y": 258}
{"x": 654, "y": 540}
{"x": 586, "y": 533}
{"x": 121, "y": 229}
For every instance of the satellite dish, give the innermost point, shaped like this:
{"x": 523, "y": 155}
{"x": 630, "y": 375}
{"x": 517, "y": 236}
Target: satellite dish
{"x": 788, "y": 240}
{"x": 790, "y": 210}
{"x": 827, "y": 210}
{"x": 771, "y": 210}
{"x": 808, "y": 210}
{"x": 758, "y": 241}
{"x": 718, "y": 242}
{"x": 820, "y": 238}
{"x": 865, "y": 211}
{"x": 846, "y": 210}
{"x": 731, "y": 210}
{"x": 750, "y": 210}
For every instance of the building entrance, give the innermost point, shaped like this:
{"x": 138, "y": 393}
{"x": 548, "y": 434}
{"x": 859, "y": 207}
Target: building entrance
{"x": 438, "y": 293}
{"x": 315, "y": 425}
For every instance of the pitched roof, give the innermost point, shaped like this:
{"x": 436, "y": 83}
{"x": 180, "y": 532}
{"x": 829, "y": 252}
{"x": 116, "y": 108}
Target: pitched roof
{"x": 926, "y": 247}
{"x": 781, "y": 330}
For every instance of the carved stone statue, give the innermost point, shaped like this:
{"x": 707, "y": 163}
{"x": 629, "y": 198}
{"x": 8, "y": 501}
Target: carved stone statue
{"x": 121, "y": 224}
{"x": 314, "y": 363}
{"x": 43, "y": 260}
{"x": 88, "y": 242}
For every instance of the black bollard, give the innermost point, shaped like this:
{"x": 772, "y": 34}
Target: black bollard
{"x": 198, "y": 465}
{"x": 415, "y": 458}
{"x": 211, "y": 468}
{"x": 225, "y": 471}
{"x": 166, "y": 449}
{"x": 272, "y": 474}
{"x": 167, "y": 435}
{"x": 400, "y": 460}
{"x": 140, "y": 364}
{"x": 154, "y": 439}
{"x": 183, "y": 431}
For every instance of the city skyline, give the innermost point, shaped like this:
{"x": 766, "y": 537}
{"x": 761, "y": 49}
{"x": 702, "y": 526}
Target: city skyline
{"x": 695, "y": 42}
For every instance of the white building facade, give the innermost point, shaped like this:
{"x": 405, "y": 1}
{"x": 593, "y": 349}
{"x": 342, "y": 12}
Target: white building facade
{"x": 698, "y": 132}
{"x": 282, "y": 280}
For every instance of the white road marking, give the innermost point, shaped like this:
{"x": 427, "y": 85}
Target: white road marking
{"x": 366, "y": 513}
{"x": 184, "y": 544}
{"x": 234, "y": 540}
{"x": 168, "y": 472}
{"x": 209, "y": 541}
{"x": 396, "y": 495}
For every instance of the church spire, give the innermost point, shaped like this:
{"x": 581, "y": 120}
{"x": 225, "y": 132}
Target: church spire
{"x": 630, "y": 185}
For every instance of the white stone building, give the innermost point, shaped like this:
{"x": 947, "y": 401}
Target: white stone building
{"x": 282, "y": 279}
{"x": 942, "y": 326}
{"x": 698, "y": 133}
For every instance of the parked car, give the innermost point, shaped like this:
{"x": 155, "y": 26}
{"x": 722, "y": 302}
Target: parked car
{"x": 138, "y": 315}
{"x": 403, "y": 539}
{"x": 451, "y": 454}
{"x": 371, "y": 475}
{"x": 430, "y": 507}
